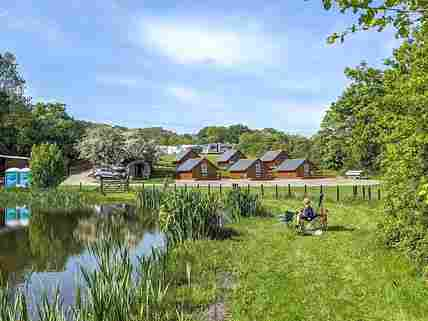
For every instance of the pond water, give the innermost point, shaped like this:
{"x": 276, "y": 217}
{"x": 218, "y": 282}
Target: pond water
{"x": 44, "y": 250}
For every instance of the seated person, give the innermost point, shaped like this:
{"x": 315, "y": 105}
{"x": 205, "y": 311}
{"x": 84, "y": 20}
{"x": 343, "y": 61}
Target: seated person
{"x": 307, "y": 213}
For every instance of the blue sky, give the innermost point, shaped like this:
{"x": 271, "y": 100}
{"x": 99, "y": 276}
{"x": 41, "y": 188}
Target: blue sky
{"x": 187, "y": 64}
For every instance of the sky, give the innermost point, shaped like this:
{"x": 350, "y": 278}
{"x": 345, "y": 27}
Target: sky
{"x": 187, "y": 64}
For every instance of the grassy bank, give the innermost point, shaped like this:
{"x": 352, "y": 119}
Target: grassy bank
{"x": 345, "y": 274}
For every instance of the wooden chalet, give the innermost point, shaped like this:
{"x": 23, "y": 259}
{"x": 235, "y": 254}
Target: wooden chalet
{"x": 253, "y": 169}
{"x": 274, "y": 158}
{"x": 294, "y": 168}
{"x": 229, "y": 158}
{"x": 197, "y": 169}
{"x": 184, "y": 156}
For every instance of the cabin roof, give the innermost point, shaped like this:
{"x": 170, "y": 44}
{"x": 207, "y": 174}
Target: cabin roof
{"x": 242, "y": 165}
{"x": 290, "y": 165}
{"x": 189, "y": 164}
{"x": 183, "y": 154}
{"x": 271, "y": 155}
{"x": 227, "y": 155}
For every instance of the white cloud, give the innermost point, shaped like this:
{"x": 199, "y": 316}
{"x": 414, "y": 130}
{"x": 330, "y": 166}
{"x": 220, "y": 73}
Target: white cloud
{"x": 188, "y": 43}
{"x": 187, "y": 95}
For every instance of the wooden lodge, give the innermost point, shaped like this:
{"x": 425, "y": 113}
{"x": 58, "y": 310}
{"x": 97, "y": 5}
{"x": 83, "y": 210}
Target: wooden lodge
{"x": 197, "y": 169}
{"x": 294, "y": 168}
{"x": 229, "y": 157}
{"x": 274, "y": 158}
{"x": 184, "y": 156}
{"x": 253, "y": 169}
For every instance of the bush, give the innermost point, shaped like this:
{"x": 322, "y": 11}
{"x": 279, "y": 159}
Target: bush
{"x": 47, "y": 166}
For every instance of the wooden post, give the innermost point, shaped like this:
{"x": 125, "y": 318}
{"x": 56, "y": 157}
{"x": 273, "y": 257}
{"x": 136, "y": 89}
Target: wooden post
{"x": 197, "y": 186}
{"x": 337, "y": 193}
{"x": 321, "y": 189}
{"x": 248, "y": 188}
{"x": 175, "y": 188}
{"x": 276, "y": 191}
{"x": 185, "y": 187}
{"x": 364, "y": 192}
{"x": 378, "y": 193}
{"x": 80, "y": 186}
{"x": 209, "y": 189}
{"x": 102, "y": 185}
{"x": 370, "y": 192}
{"x": 306, "y": 190}
{"x": 221, "y": 190}
{"x": 289, "y": 190}
{"x": 262, "y": 190}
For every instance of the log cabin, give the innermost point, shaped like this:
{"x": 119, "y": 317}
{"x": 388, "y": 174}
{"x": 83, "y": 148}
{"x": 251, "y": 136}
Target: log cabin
{"x": 294, "y": 168}
{"x": 274, "y": 158}
{"x": 230, "y": 157}
{"x": 197, "y": 169}
{"x": 253, "y": 169}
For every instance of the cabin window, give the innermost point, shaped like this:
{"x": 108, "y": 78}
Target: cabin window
{"x": 204, "y": 169}
{"x": 307, "y": 169}
{"x": 259, "y": 170}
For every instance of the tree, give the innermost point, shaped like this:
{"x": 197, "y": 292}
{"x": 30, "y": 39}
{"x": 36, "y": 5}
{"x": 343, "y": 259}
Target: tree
{"x": 47, "y": 166}
{"x": 10, "y": 79}
{"x": 234, "y": 132}
{"x": 404, "y": 15}
{"x": 14, "y": 107}
{"x": 51, "y": 124}
{"x": 138, "y": 147}
{"x": 349, "y": 134}
{"x": 103, "y": 146}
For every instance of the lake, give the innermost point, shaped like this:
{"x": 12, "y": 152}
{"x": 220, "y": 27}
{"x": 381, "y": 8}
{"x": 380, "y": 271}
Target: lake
{"x": 41, "y": 250}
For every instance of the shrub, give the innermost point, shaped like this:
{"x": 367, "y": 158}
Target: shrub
{"x": 47, "y": 166}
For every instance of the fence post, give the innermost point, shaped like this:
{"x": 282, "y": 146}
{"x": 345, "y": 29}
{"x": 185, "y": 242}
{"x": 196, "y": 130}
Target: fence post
{"x": 337, "y": 193}
{"x": 378, "y": 193}
{"x": 221, "y": 192}
{"x": 276, "y": 191}
{"x": 248, "y": 188}
{"x": 306, "y": 190}
{"x": 80, "y": 186}
{"x": 209, "y": 189}
{"x": 321, "y": 189}
{"x": 102, "y": 185}
{"x": 289, "y": 190}
{"x": 185, "y": 187}
{"x": 197, "y": 186}
{"x": 262, "y": 190}
{"x": 370, "y": 192}
{"x": 364, "y": 192}
{"x": 175, "y": 188}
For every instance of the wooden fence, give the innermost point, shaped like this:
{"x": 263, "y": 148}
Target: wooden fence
{"x": 114, "y": 185}
{"x": 338, "y": 193}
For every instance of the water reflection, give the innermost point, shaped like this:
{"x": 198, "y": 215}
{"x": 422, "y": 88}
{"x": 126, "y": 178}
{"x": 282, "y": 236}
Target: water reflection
{"x": 40, "y": 250}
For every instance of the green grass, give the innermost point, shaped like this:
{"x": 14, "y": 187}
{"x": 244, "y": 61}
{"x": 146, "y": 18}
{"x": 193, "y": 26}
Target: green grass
{"x": 345, "y": 274}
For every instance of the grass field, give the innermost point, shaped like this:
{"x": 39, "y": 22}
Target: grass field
{"x": 345, "y": 274}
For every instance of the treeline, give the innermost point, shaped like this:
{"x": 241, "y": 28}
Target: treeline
{"x": 380, "y": 122}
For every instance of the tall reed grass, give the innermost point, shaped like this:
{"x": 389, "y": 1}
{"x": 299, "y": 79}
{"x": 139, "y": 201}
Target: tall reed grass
{"x": 118, "y": 289}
